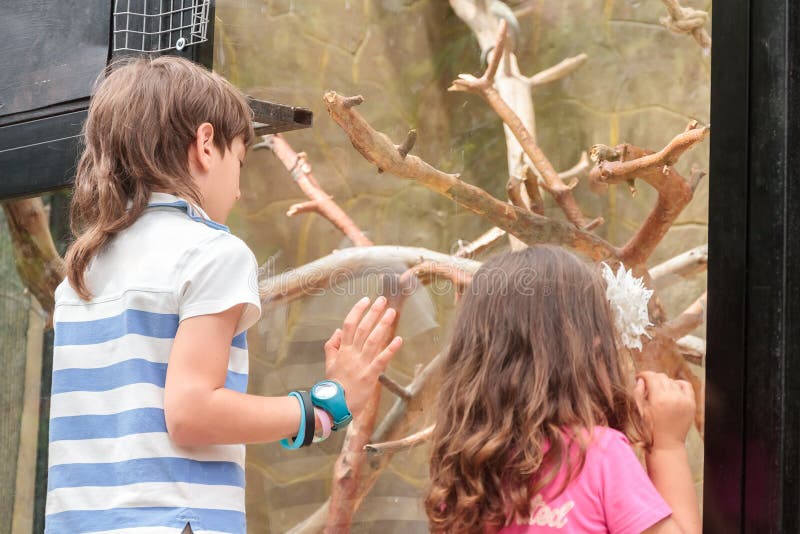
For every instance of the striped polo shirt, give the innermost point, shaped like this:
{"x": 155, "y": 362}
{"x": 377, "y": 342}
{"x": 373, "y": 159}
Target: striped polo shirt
{"x": 112, "y": 465}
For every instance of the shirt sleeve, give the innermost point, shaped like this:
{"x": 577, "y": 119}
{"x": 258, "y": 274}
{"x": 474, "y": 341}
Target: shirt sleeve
{"x": 630, "y": 501}
{"x": 217, "y": 275}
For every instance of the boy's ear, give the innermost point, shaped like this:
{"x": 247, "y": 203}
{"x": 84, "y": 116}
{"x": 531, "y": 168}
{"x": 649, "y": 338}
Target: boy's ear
{"x": 203, "y": 144}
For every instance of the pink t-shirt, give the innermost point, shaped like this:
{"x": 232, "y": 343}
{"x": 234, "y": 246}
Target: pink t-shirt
{"x": 612, "y": 493}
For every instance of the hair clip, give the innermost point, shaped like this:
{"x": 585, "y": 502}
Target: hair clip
{"x": 628, "y": 298}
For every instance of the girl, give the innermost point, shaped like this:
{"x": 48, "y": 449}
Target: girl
{"x": 148, "y": 410}
{"x": 536, "y": 416}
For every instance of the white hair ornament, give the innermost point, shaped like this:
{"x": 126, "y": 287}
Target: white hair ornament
{"x": 628, "y": 298}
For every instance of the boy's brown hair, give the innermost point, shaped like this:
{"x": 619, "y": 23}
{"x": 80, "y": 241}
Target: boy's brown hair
{"x": 532, "y": 366}
{"x": 142, "y": 119}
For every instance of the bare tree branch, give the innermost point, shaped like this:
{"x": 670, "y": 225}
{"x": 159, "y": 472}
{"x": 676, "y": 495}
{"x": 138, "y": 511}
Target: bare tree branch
{"x": 486, "y": 240}
{"x": 399, "y": 418}
{"x": 674, "y": 193}
{"x": 693, "y": 349}
{"x": 315, "y": 276}
{"x": 401, "y": 444}
{"x": 39, "y": 265}
{"x": 300, "y": 169}
{"x": 558, "y": 71}
{"x": 394, "y": 387}
{"x": 427, "y": 270}
{"x": 528, "y": 227}
{"x": 679, "y": 268}
{"x": 483, "y": 86}
{"x": 686, "y": 322}
{"x": 578, "y": 170}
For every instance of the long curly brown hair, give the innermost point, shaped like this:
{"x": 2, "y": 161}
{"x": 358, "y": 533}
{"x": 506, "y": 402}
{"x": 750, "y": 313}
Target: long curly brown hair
{"x": 532, "y": 364}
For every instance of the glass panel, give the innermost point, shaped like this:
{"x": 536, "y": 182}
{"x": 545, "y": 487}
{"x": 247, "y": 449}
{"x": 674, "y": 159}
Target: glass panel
{"x": 639, "y": 83}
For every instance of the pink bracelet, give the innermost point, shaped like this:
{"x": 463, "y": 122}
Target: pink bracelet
{"x": 325, "y": 419}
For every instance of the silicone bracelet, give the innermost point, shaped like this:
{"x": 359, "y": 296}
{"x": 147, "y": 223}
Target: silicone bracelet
{"x": 308, "y": 408}
{"x": 326, "y": 422}
{"x": 297, "y": 441}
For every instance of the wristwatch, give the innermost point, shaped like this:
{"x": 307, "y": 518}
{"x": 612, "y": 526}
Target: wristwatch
{"x": 329, "y": 395}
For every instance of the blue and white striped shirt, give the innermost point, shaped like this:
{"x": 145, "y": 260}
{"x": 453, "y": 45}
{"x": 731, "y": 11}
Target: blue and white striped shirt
{"x": 112, "y": 465}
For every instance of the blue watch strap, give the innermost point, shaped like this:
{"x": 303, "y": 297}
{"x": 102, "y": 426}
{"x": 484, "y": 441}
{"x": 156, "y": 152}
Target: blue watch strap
{"x": 335, "y": 405}
{"x": 297, "y": 441}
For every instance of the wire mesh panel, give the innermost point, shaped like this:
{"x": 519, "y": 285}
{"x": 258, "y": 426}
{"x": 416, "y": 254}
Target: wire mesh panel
{"x": 159, "y": 25}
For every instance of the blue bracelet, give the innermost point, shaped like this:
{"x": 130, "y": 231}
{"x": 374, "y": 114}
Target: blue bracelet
{"x": 297, "y": 441}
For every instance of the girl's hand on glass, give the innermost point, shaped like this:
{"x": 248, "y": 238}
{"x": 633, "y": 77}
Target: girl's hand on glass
{"x": 667, "y": 405}
{"x": 357, "y": 354}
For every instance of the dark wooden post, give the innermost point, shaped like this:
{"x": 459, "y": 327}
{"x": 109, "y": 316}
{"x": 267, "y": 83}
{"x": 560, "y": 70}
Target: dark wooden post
{"x": 752, "y": 482}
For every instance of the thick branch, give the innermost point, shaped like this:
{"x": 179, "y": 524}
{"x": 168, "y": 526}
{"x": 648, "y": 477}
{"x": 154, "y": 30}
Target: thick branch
{"x": 693, "y": 349}
{"x": 529, "y": 227}
{"x": 666, "y": 353}
{"x": 345, "y": 266}
{"x": 298, "y": 166}
{"x": 674, "y": 193}
{"x": 393, "y": 426}
{"x": 691, "y": 318}
{"x": 680, "y": 267}
{"x": 348, "y": 467}
{"x": 401, "y": 444}
{"x": 350, "y": 463}
{"x": 687, "y": 20}
{"x": 38, "y": 263}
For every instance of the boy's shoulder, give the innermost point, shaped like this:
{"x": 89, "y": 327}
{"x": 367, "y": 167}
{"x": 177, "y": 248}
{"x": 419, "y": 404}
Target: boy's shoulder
{"x": 156, "y": 252}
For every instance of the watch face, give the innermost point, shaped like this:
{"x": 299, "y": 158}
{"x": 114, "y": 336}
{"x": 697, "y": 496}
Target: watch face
{"x": 325, "y": 390}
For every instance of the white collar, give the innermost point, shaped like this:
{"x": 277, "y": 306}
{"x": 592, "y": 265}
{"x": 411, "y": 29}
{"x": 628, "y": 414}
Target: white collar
{"x": 166, "y": 200}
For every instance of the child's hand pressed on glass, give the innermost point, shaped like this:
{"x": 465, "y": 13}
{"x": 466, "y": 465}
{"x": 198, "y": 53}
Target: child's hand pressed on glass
{"x": 359, "y": 352}
{"x": 667, "y": 405}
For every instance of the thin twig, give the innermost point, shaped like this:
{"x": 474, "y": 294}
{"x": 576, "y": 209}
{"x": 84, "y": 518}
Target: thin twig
{"x": 401, "y": 444}
{"x": 558, "y": 71}
{"x": 394, "y": 387}
{"x": 561, "y": 192}
{"x": 472, "y": 248}
{"x": 300, "y": 169}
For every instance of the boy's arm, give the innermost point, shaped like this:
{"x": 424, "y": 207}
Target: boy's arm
{"x": 200, "y": 411}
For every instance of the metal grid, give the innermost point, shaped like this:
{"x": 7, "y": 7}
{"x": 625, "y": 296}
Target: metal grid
{"x": 159, "y": 25}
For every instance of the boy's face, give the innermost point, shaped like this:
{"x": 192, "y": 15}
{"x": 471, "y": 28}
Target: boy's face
{"x": 219, "y": 185}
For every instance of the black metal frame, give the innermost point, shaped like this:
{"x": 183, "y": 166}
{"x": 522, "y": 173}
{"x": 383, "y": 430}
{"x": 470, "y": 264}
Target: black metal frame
{"x": 39, "y": 148}
{"x": 752, "y": 443}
